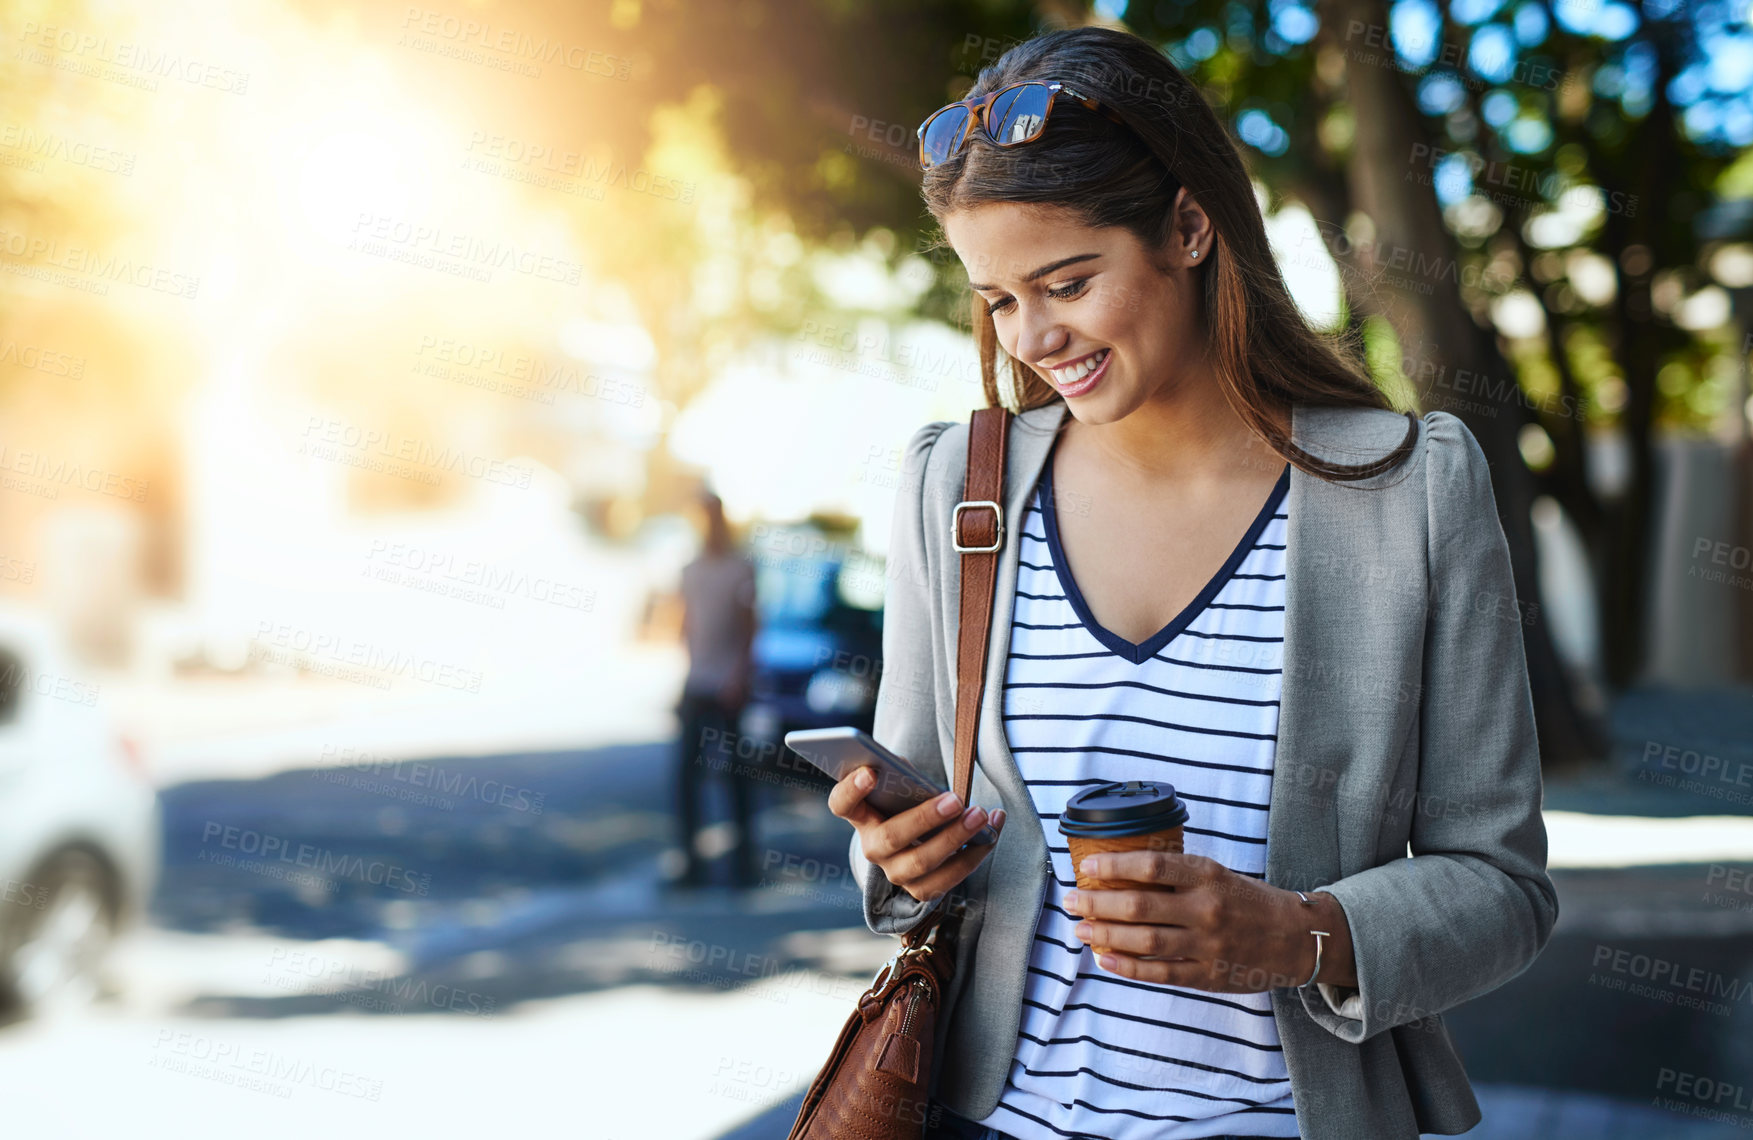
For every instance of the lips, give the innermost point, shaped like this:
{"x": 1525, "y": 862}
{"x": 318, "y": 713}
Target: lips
{"x": 1089, "y": 379}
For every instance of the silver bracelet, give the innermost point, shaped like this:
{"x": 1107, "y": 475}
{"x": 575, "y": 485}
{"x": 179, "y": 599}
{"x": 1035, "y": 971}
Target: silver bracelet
{"x": 1319, "y": 935}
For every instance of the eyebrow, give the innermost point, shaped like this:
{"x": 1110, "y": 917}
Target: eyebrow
{"x": 1043, "y": 271}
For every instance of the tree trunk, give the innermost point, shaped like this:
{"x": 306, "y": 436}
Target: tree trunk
{"x": 1655, "y": 154}
{"x": 1414, "y": 280}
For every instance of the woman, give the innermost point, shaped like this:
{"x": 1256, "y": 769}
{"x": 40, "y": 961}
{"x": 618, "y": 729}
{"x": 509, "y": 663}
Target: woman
{"x": 1227, "y": 565}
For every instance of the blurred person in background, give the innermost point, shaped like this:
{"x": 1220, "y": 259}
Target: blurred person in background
{"x": 718, "y": 626}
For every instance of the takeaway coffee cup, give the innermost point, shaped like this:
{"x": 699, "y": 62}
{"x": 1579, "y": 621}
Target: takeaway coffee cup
{"x": 1138, "y": 815}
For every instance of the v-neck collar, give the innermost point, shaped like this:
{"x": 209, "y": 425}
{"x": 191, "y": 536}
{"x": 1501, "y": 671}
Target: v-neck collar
{"x": 1139, "y": 652}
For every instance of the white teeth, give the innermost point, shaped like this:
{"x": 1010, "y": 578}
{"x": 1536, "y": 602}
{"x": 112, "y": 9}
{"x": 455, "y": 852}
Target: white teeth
{"x": 1081, "y": 369}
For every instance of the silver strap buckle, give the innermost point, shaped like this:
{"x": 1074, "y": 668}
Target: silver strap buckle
{"x": 956, "y": 526}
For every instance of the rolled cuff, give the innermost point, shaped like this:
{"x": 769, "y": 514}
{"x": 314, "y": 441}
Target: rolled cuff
{"x": 887, "y": 908}
{"x": 1345, "y": 1001}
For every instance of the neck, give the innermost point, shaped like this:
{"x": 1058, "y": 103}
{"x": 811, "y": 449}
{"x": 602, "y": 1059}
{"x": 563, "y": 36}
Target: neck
{"x": 1184, "y": 431}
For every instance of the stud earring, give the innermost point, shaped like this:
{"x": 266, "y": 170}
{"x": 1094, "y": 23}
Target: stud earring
{"x": 1195, "y": 253}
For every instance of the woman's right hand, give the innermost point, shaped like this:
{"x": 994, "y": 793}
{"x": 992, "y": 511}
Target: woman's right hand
{"x": 925, "y": 870}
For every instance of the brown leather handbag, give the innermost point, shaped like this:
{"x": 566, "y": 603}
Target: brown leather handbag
{"x": 876, "y": 1082}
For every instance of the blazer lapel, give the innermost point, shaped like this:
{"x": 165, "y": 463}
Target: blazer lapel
{"x": 1302, "y": 830}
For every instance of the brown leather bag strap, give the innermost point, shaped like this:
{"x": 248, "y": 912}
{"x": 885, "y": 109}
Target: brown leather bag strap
{"x": 977, "y": 524}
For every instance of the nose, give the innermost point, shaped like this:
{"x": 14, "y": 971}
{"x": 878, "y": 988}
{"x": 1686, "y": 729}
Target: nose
{"x": 1039, "y": 336}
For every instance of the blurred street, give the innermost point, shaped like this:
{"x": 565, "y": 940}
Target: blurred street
{"x": 510, "y": 958}
{"x": 518, "y": 948}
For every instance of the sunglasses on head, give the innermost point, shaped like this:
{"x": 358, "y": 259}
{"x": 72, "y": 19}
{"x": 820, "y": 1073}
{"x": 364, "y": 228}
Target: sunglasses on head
{"x": 1009, "y": 116}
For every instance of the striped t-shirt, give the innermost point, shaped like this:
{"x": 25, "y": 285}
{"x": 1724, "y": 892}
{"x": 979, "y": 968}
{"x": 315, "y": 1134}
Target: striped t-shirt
{"x": 1195, "y": 705}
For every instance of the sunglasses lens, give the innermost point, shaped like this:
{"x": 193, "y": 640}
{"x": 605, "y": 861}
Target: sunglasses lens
{"x": 1019, "y": 114}
{"x": 942, "y": 131}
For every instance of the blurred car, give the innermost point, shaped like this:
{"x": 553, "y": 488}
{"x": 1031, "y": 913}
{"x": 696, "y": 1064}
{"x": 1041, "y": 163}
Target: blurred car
{"x": 818, "y": 651}
{"x": 79, "y": 826}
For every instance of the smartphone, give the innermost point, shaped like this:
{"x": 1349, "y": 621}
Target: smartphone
{"x": 841, "y": 751}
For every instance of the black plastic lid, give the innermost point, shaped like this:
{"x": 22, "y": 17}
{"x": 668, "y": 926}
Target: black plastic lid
{"x": 1136, "y": 807}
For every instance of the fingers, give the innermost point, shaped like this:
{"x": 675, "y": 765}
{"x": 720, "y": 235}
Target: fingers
{"x": 916, "y": 861}
{"x": 954, "y": 869}
{"x": 1169, "y": 868}
{"x": 903, "y": 829}
{"x": 846, "y": 800}
{"x": 1190, "y": 974}
{"x": 1140, "y": 941}
{"x": 899, "y": 845}
{"x": 1166, "y": 908}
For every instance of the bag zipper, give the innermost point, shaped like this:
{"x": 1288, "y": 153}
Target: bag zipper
{"x": 918, "y": 988}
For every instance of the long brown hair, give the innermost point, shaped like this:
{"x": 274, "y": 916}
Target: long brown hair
{"x": 1265, "y": 354}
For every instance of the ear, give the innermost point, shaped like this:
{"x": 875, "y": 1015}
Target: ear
{"x": 1192, "y": 236}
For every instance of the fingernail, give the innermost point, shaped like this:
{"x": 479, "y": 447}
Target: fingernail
{"x": 1084, "y": 931}
{"x": 1107, "y": 961}
{"x": 864, "y": 779}
{"x": 998, "y": 818}
{"x": 973, "y": 817}
{"x": 1070, "y": 900}
{"x": 947, "y": 805}
{"x": 1088, "y": 866}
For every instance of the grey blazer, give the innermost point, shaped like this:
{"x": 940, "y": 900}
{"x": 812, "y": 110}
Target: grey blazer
{"x": 1407, "y": 781}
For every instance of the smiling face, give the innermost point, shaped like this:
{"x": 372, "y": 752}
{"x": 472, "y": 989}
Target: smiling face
{"x": 1108, "y": 322}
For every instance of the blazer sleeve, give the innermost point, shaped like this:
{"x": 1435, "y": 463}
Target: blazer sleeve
{"x": 906, "y": 704}
{"x": 1473, "y": 904}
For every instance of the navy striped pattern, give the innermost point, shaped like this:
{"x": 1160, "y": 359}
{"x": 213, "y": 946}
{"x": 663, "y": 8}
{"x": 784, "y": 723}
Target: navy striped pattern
{"x": 1195, "y": 705}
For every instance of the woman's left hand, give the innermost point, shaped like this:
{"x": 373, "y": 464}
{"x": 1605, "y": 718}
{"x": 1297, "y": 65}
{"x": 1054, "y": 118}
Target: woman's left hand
{"x": 1216, "y": 931}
